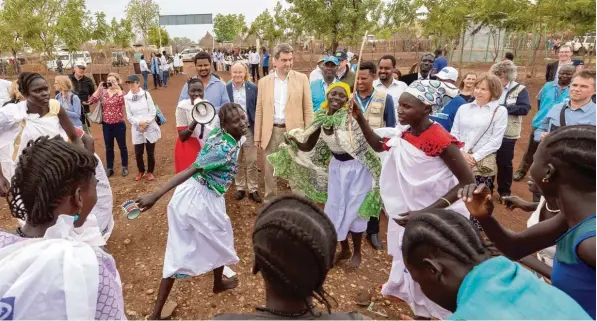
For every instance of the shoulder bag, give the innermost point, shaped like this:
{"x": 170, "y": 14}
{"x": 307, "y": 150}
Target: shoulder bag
{"x": 160, "y": 119}
{"x": 96, "y": 115}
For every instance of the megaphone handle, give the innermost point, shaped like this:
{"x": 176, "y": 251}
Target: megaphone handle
{"x": 201, "y": 133}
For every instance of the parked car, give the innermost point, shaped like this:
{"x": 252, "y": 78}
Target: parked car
{"x": 189, "y": 54}
{"x": 69, "y": 60}
{"x": 583, "y": 45}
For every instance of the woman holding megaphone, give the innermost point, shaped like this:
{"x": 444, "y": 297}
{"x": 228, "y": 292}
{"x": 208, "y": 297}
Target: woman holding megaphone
{"x": 192, "y": 132}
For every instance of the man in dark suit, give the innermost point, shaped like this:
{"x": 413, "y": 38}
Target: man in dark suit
{"x": 564, "y": 58}
{"x": 243, "y": 92}
{"x": 425, "y": 66}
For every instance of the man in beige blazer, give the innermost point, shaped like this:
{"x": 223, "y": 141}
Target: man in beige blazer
{"x": 283, "y": 104}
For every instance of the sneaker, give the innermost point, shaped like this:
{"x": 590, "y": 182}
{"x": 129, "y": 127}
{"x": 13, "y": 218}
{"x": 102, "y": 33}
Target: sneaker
{"x": 125, "y": 172}
{"x": 519, "y": 176}
{"x": 255, "y": 197}
{"x": 150, "y": 177}
{"x": 109, "y": 172}
{"x": 139, "y": 176}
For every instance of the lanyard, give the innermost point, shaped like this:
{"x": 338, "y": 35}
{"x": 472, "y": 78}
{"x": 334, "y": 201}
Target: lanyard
{"x": 360, "y": 101}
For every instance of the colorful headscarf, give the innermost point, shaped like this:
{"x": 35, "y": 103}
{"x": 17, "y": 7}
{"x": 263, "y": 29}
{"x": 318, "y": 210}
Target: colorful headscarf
{"x": 324, "y": 105}
{"x": 433, "y": 93}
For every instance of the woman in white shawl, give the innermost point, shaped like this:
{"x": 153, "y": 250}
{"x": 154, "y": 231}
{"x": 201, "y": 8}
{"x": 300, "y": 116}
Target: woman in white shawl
{"x": 53, "y": 267}
{"x": 20, "y": 123}
{"x": 423, "y": 169}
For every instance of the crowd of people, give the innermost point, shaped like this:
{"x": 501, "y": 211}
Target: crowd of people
{"x": 428, "y": 149}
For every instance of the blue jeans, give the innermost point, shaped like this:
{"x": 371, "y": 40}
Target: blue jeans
{"x": 115, "y": 131}
{"x": 145, "y": 74}
{"x": 165, "y": 78}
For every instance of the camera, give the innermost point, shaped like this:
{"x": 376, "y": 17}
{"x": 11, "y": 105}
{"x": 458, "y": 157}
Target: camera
{"x": 107, "y": 84}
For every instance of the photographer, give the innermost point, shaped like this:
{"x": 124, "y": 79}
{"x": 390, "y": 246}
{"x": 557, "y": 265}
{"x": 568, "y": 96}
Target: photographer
{"x": 112, "y": 99}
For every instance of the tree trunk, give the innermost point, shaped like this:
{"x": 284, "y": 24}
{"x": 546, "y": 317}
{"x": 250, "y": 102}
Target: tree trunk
{"x": 335, "y": 42}
{"x": 534, "y": 52}
{"x": 461, "y": 51}
{"x": 16, "y": 66}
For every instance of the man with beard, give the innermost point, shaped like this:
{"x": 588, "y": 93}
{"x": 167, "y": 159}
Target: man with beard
{"x": 320, "y": 86}
{"x": 215, "y": 89}
{"x": 552, "y": 93}
{"x": 425, "y": 66}
{"x": 386, "y": 82}
{"x": 378, "y": 109}
{"x": 344, "y": 73}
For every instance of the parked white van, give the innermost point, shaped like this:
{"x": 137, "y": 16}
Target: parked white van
{"x": 69, "y": 60}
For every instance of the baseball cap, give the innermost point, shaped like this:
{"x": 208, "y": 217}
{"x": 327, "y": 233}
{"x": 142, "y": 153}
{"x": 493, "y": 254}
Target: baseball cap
{"x": 578, "y": 62}
{"x": 331, "y": 59}
{"x": 448, "y": 73}
{"x": 133, "y": 78}
{"x": 341, "y": 55}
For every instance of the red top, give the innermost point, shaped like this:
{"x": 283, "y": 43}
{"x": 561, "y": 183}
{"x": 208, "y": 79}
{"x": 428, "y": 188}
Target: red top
{"x": 433, "y": 141}
{"x": 112, "y": 107}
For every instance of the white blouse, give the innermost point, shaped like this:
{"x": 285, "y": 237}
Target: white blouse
{"x": 184, "y": 120}
{"x": 140, "y": 108}
{"x": 472, "y": 120}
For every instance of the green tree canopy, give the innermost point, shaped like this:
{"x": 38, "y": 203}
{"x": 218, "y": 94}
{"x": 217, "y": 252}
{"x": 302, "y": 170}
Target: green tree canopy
{"x": 143, "y": 15}
{"x": 228, "y": 26}
{"x": 154, "y": 36}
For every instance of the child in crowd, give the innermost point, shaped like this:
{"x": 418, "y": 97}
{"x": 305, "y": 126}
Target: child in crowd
{"x": 54, "y": 267}
{"x": 293, "y": 244}
{"x": 446, "y": 256}
{"x": 423, "y": 169}
{"x": 200, "y": 237}
{"x": 563, "y": 169}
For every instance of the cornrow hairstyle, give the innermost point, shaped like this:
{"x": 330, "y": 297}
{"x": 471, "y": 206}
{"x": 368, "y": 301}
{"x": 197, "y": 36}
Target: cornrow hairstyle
{"x": 25, "y": 80}
{"x": 446, "y": 231}
{"x": 227, "y": 110}
{"x": 48, "y": 170}
{"x": 194, "y": 80}
{"x": 574, "y": 147}
{"x": 294, "y": 244}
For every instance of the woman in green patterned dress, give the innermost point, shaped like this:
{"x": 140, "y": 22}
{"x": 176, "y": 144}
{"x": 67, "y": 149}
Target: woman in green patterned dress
{"x": 333, "y": 164}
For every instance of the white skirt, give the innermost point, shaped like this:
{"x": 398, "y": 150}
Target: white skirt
{"x": 200, "y": 237}
{"x": 348, "y": 185}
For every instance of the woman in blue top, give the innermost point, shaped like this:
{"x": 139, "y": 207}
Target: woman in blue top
{"x": 563, "y": 168}
{"x": 446, "y": 256}
{"x": 68, "y": 101}
{"x": 200, "y": 237}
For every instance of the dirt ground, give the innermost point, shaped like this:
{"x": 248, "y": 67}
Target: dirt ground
{"x": 138, "y": 245}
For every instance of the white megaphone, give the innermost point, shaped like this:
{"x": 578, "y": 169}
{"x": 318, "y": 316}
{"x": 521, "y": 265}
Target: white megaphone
{"x": 203, "y": 113}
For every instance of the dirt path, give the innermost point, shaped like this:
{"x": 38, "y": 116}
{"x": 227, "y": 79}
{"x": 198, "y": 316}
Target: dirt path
{"x": 138, "y": 246}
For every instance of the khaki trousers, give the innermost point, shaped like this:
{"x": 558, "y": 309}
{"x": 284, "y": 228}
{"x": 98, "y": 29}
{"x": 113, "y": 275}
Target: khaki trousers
{"x": 246, "y": 178}
{"x": 271, "y": 187}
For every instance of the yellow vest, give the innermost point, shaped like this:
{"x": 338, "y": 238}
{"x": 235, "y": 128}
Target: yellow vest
{"x": 375, "y": 110}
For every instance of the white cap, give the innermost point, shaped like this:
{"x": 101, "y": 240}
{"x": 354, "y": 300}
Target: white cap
{"x": 448, "y": 73}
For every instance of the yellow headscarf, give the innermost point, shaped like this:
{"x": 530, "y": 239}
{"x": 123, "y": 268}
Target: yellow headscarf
{"x": 345, "y": 86}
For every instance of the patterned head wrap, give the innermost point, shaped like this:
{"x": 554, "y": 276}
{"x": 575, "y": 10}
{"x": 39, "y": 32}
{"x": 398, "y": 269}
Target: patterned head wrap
{"x": 324, "y": 105}
{"x": 433, "y": 93}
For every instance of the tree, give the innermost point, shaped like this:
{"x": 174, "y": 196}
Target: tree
{"x": 13, "y": 31}
{"x": 228, "y": 26}
{"x": 143, "y": 15}
{"x": 264, "y": 26}
{"x": 121, "y": 33}
{"x": 101, "y": 29}
{"x": 154, "y": 36}
{"x": 179, "y": 44}
{"x": 74, "y": 27}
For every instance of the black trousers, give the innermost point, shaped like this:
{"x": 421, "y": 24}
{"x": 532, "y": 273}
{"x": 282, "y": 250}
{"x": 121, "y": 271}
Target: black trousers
{"x": 255, "y": 72}
{"x": 265, "y": 70}
{"x": 157, "y": 82}
{"x": 139, "y": 149}
{"x": 373, "y": 226}
{"x": 115, "y": 131}
{"x": 504, "y": 157}
{"x": 527, "y": 159}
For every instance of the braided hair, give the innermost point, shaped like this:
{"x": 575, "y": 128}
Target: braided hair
{"x": 446, "y": 231}
{"x": 48, "y": 170}
{"x": 228, "y": 109}
{"x": 25, "y": 80}
{"x": 574, "y": 147}
{"x": 294, "y": 244}
{"x": 194, "y": 80}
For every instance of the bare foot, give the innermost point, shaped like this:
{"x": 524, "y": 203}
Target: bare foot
{"x": 341, "y": 256}
{"x": 355, "y": 261}
{"x": 226, "y": 284}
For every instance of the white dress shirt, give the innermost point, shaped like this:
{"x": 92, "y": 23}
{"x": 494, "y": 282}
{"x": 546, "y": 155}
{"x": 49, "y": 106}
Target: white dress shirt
{"x": 254, "y": 58}
{"x": 316, "y": 74}
{"x": 280, "y": 96}
{"x": 240, "y": 96}
{"x": 472, "y": 120}
{"x": 163, "y": 63}
{"x": 395, "y": 90}
{"x": 143, "y": 66}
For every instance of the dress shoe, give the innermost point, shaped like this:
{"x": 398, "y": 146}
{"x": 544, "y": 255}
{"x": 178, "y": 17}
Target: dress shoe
{"x": 374, "y": 241}
{"x": 255, "y": 197}
{"x": 109, "y": 172}
{"x": 240, "y": 195}
{"x": 125, "y": 172}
